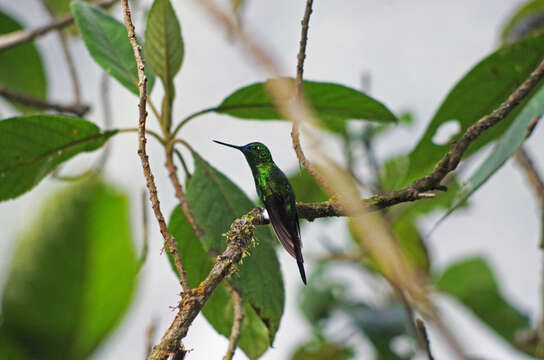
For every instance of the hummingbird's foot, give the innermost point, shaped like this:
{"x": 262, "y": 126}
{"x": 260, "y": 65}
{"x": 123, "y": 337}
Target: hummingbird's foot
{"x": 265, "y": 214}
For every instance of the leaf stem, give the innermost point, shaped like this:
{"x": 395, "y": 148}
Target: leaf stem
{"x": 190, "y": 117}
{"x": 150, "y": 132}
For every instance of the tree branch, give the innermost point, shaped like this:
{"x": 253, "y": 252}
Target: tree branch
{"x": 169, "y": 241}
{"x": 19, "y": 37}
{"x": 76, "y": 108}
{"x": 239, "y": 238}
{"x": 237, "y": 321}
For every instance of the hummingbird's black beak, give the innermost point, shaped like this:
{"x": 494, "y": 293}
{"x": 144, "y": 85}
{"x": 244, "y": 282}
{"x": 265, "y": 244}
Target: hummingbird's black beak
{"x": 229, "y": 145}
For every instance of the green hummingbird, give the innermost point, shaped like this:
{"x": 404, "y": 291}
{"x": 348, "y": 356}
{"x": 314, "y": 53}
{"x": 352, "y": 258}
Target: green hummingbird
{"x": 276, "y": 193}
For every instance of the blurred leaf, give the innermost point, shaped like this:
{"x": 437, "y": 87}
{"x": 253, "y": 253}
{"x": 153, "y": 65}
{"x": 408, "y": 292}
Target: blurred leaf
{"x": 73, "y": 273}
{"x": 472, "y": 282}
{"x": 380, "y": 326}
{"x": 215, "y": 202}
{"x": 527, "y": 19}
{"x": 318, "y": 299}
{"x": 306, "y": 188}
{"x": 164, "y": 44}
{"x": 21, "y": 67}
{"x": 410, "y": 242}
{"x": 107, "y": 42}
{"x": 334, "y": 104}
{"x": 32, "y": 146}
{"x": 321, "y": 350}
{"x": 477, "y": 94}
{"x": 254, "y": 338}
{"x": 503, "y": 150}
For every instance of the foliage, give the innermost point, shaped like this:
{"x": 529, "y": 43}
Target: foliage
{"x": 74, "y": 270}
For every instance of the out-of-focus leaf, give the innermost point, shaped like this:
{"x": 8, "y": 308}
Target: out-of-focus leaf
{"x": 321, "y": 350}
{"x": 319, "y": 298}
{"x": 163, "y": 41}
{"x": 410, "y": 243}
{"x": 73, "y": 274}
{"x": 472, "y": 282}
{"x": 107, "y": 42}
{"x": 477, "y": 94}
{"x": 306, "y": 188}
{"x": 32, "y": 146}
{"x": 527, "y": 19}
{"x": 334, "y": 104}
{"x": 215, "y": 202}
{"x": 381, "y": 326}
{"x": 21, "y": 67}
{"x": 503, "y": 150}
{"x": 254, "y": 340}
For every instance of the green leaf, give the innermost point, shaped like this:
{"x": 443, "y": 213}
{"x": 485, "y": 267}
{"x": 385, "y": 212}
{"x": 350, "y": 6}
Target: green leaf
{"x": 254, "y": 337}
{"x": 472, "y": 282}
{"x": 334, "y": 104}
{"x": 164, "y": 44}
{"x": 526, "y": 19}
{"x": 21, "y": 67}
{"x": 306, "y": 188}
{"x": 215, "y": 202}
{"x": 477, "y": 94}
{"x": 380, "y": 325}
{"x": 107, "y": 42}
{"x": 73, "y": 273}
{"x": 33, "y": 146}
{"x": 317, "y": 349}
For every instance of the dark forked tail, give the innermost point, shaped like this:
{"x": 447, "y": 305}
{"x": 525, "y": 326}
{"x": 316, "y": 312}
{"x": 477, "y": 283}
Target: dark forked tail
{"x": 300, "y": 263}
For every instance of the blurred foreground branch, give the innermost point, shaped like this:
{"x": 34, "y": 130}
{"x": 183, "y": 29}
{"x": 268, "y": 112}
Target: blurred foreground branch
{"x": 19, "y": 37}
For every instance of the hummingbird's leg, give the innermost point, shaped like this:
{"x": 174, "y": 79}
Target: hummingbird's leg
{"x": 265, "y": 214}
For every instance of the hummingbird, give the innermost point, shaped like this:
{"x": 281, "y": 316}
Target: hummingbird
{"x": 277, "y": 195}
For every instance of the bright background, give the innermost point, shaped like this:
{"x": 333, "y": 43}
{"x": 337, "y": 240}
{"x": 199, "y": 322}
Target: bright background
{"x": 414, "y": 50}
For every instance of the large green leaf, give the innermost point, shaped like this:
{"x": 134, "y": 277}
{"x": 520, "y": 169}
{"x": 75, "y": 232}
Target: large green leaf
{"x": 32, "y": 146}
{"x": 334, "y": 104}
{"x": 164, "y": 44}
{"x": 107, "y": 42}
{"x": 215, "y": 202}
{"x": 472, "y": 282}
{"x": 525, "y": 20}
{"x": 21, "y": 67}
{"x": 73, "y": 274}
{"x": 477, "y": 94}
{"x": 503, "y": 150}
{"x": 254, "y": 338}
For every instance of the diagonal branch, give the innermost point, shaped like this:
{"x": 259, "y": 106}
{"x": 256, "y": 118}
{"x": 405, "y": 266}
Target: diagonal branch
{"x": 19, "y": 37}
{"x": 23, "y": 99}
{"x": 170, "y": 242}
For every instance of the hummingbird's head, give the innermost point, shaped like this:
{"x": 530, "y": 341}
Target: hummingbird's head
{"x": 255, "y": 152}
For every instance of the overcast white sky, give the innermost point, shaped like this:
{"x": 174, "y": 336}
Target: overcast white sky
{"x": 414, "y": 50}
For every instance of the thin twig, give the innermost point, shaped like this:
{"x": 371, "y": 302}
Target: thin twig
{"x": 149, "y": 335}
{"x": 19, "y": 37}
{"x": 169, "y": 241}
{"x": 295, "y": 130}
{"x": 180, "y": 194}
{"x": 535, "y": 179}
{"x": 423, "y": 335}
{"x": 23, "y": 99}
{"x": 145, "y": 233}
{"x": 237, "y": 321}
{"x": 71, "y": 67}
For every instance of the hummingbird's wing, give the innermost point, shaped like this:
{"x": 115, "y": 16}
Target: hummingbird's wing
{"x": 284, "y": 222}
